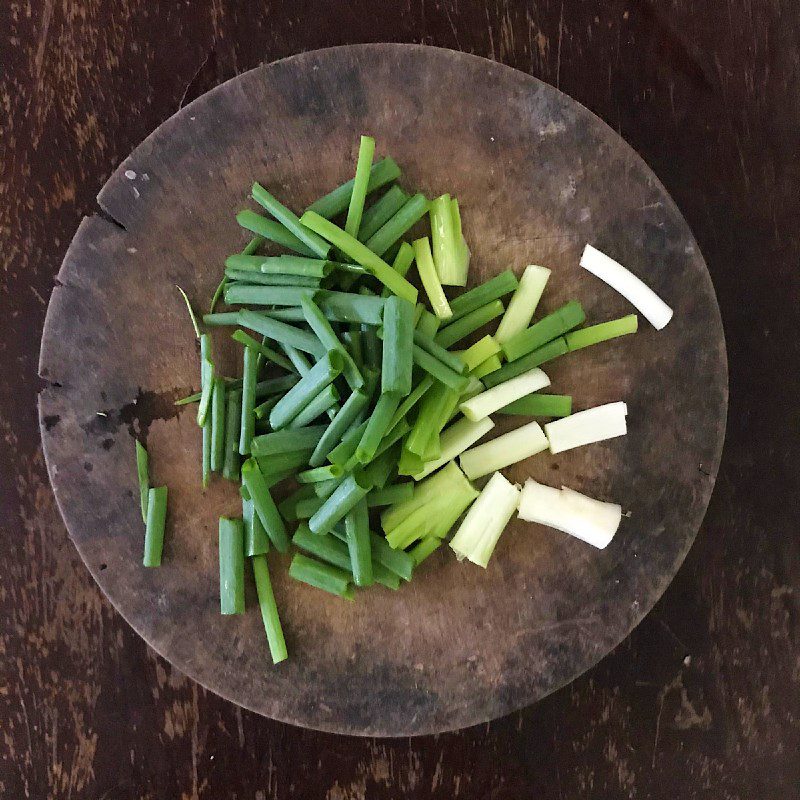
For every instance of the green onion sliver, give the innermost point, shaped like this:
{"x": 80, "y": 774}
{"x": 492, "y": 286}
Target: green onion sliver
{"x": 377, "y": 426}
{"x": 438, "y": 370}
{"x": 502, "y": 284}
{"x": 390, "y": 494}
{"x": 296, "y": 265}
{"x": 288, "y": 441}
{"x": 429, "y": 345}
{"x": 144, "y": 478}
{"x": 593, "y": 334}
{"x": 540, "y": 405}
{"x": 256, "y": 485}
{"x": 273, "y": 231}
{"x": 430, "y": 280}
{"x": 154, "y": 528}
{"x": 413, "y": 210}
{"x": 491, "y": 400}
{"x": 355, "y": 209}
{"x": 423, "y": 549}
{"x": 456, "y": 331}
{"x": 256, "y": 540}
{"x": 230, "y": 459}
{"x": 460, "y": 436}
{"x": 217, "y": 424}
{"x": 335, "y": 202}
{"x": 344, "y": 418}
{"x": 401, "y": 264}
{"x": 398, "y": 333}
{"x": 249, "y": 380}
{"x": 482, "y": 349}
{"x": 281, "y": 332}
{"x": 380, "y": 212}
{"x": 564, "y": 319}
{"x": 356, "y": 524}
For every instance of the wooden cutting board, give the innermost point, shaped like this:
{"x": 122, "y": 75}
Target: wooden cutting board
{"x": 538, "y": 176}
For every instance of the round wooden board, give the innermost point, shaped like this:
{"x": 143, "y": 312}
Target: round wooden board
{"x": 538, "y": 176}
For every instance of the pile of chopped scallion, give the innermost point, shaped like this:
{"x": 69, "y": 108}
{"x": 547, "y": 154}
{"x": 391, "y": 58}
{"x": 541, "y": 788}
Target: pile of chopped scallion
{"x": 364, "y": 409}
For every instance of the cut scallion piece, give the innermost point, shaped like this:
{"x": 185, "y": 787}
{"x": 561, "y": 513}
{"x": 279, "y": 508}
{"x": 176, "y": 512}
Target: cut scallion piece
{"x": 586, "y": 427}
{"x": 413, "y": 210}
{"x": 349, "y": 492}
{"x": 273, "y": 231}
{"x": 398, "y": 332}
{"x": 538, "y": 357}
{"x": 286, "y": 441}
{"x": 502, "y": 284}
{"x": 344, "y": 418}
{"x": 154, "y": 529}
{"x": 522, "y": 305}
{"x": 492, "y": 364}
{"x": 569, "y": 316}
{"x": 438, "y": 370}
{"x": 335, "y": 202}
{"x": 281, "y": 332}
{"x": 249, "y": 380}
{"x": 482, "y": 349}
{"x": 503, "y": 451}
{"x": 401, "y": 264}
{"x": 356, "y": 523}
{"x": 501, "y": 395}
{"x": 265, "y": 507}
{"x": 217, "y": 425}
{"x": 423, "y": 549}
{"x": 380, "y": 212}
{"x": 144, "y": 477}
{"x": 231, "y": 566}
{"x": 430, "y": 279}
{"x": 355, "y": 209}
{"x": 269, "y": 609}
{"x": 594, "y": 334}
{"x": 192, "y": 315}
{"x": 321, "y": 576}
{"x": 460, "y": 436}
{"x": 456, "y": 331}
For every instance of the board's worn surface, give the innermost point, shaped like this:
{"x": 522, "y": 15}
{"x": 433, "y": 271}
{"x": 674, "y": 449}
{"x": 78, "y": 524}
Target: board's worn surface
{"x": 537, "y": 176}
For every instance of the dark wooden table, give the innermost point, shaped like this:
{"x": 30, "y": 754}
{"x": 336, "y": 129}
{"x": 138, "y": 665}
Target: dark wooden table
{"x": 703, "y": 700}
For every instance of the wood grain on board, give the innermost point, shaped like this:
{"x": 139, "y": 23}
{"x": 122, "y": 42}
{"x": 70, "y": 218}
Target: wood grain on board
{"x": 701, "y": 700}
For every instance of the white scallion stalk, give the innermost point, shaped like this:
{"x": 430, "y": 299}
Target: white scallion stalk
{"x": 455, "y": 440}
{"x": 501, "y": 395}
{"x": 523, "y": 303}
{"x": 628, "y": 285}
{"x": 589, "y": 520}
{"x": 503, "y": 451}
{"x": 585, "y": 427}
{"x": 486, "y": 519}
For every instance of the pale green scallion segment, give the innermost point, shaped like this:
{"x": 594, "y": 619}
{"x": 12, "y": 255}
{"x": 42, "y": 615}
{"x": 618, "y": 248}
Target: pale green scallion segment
{"x": 594, "y": 334}
{"x": 326, "y": 400}
{"x": 349, "y": 492}
{"x": 269, "y": 609}
{"x": 438, "y": 370}
{"x": 558, "y": 347}
{"x": 206, "y": 378}
{"x": 480, "y": 351}
{"x": 523, "y": 304}
{"x": 355, "y": 209}
{"x": 427, "y": 323}
{"x": 336, "y": 202}
{"x": 281, "y": 332}
{"x": 502, "y": 284}
{"x": 430, "y": 279}
{"x": 402, "y": 263}
{"x": 154, "y": 529}
{"x": 491, "y": 364}
{"x": 221, "y": 319}
{"x": 192, "y": 398}
{"x": 290, "y": 221}
{"x": 429, "y": 345}
{"x": 564, "y": 319}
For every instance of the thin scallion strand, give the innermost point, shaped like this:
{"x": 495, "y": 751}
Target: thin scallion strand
{"x": 325, "y": 400}
{"x": 192, "y": 398}
{"x": 231, "y": 566}
{"x": 288, "y": 506}
{"x": 233, "y": 420}
{"x": 503, "y": 451}
{"x": 438, "y": 370}
{"x": 243, "y": 278}
{"x": 347, "y": 447}
{"x": 443, "y": 236}
{"x": 143, "y": 475}
{"x": 390, "y": 494}
{"x": 409, "y": 402}
{"x": 425, "y": 547}
{"x": 192, "y": 315}
{"x": 218, "y": 425}
{"x": 281, "y": 332}
{"x": 296, "y": 265}
{"x": 411, "y": 212}
{"x": 355, "y": 208}
{"x": 491, "y": 364}
{"x": 347, "y": 307}
{"x": 430, "y": 279}
{"x": 273, "y": 231}
{"x": 318, "y": 474}
{"x": 269, "y": 609}
{"x": 456, "y": 331}
{"x": 279, "y": 385}
{"x": 253, "y": 295}
{"x": 290, "y": 221}
{"x": 247, "y": 418}
{"x": 480, "y": 351}
{"x": 401, "y": 264}
{"x": 344, "y": 418}
{"x": 429, "y": 345}
{"x": 377, "y": 425}
{"x": 206, "y": 453}
{"x": 361, "y": 254}
{"x": 336, "y": 202}
{"x": 427, "y": 323}
{"x": 154, "y": 528}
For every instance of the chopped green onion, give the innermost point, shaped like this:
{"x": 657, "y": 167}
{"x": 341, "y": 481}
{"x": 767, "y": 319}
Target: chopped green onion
{"x": 286, "y": 441}
{"x": 423, "y": 549}
{"x": 347, "y": 447}
{"x": 273, "y": 386}
{"x": 296, "y": 265}
{"x": 231, "y": 566}
{"x": 352, "y": 489}
{"x": 503, "y": 451}
{"x": 321, "y": 576}
{"x": 282, "y": 462}
{"x": 290, "y": 221}
{"x": 256, "y": 485}
{"x": 455, "y": 331}
{"x": 335, "y": 202}
{"x": 206, "y": 378}
{"x": 377, "y": 426}
{"x": 273, "y": 231}
{"x": 154, "y": 528}
{"x": 361, "y": 254}
{"x": 502, "y": 284}
{"x": 262, "y": 411}
{"x": 217, "y": 425}
{"x": 281, "y": 332}
{"x": 569, "y": 316}
{"x": 492, "y": 364}
{"x": 460, "y": 436}
{"x": 221, "y": 318}
{"x": 192, "y": 398}
{"x": 538, "y": 357}
{"x": 288, "y": 506}
{"x": 380, "y": 212}
{"x": 482, "y": 349}
{"x": 594, "y": 334}
{"x": 501, "y": 395}
{"x": 269, "y": 609}
{"x": 430, "y": 280}
{"x": 478, "y": 534}
{"x": 540, "y": 405}
{"x": 252, "y": 295}
{"x": 256, "y": 540}
{"x": 398, "y": 332}
{"x": 356, "y": 523}
{"x": 344, "y": 418}
{"x": 355, "y": 208}
{"x": 302, "y": 393}
{"x": 308, "y": 506}
{"x": 192, "y": 315}
{"x": 266, "y": 282}
{"x": 431, "y": 418}
{"x": 455, "y": 362}
{"x": 268, "y": 353}
{"x": 249, "y": 380}
{"x": 330, "y": 341}
{"x": 205, "y": 432}
{"x": 215, "y": 298}
{"x": 143, "y": 476}
{"x": 402, "y": 263}
{"x": 438, "y": 370}
{"x": 317, "y": 474}
{"x": 586, "y": 427}
{"x": 412, "y": 211}
{"x": 346, "y": 307}
{"x": 522, "y": 305}
{"x": 427, "y": 323}
{"x": 416, "y": 395}
{"x": 390, "y": 494}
